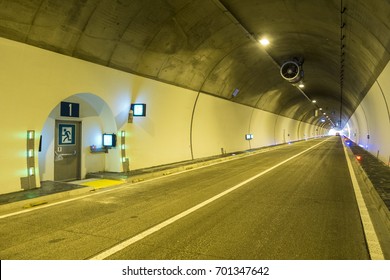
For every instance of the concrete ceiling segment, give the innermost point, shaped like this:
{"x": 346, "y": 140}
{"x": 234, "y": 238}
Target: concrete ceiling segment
{"x": 209, "y": 45}
{"x": 312, "y": 30}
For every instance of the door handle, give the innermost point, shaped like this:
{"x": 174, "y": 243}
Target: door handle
{"x": 64, "y": 155}
{"x": 72, "y": 154}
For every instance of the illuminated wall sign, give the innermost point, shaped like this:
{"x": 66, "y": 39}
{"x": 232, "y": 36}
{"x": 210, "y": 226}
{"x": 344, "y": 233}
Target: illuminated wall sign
{"x": 69, "y": 109}
{"x": 139, "y": 109}
{"x": 248, "y": 136}
{"x": 109, "y": 140}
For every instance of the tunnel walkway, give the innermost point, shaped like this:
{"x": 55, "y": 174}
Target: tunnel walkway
{"x": 376, "y": 170}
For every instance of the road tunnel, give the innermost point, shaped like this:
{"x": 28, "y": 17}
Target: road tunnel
{"x": 215, "y": 78}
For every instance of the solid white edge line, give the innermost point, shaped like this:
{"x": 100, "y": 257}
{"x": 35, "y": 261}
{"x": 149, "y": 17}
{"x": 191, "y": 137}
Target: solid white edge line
{"x": 103, "y": 255}
{"x": 374, "y": 247}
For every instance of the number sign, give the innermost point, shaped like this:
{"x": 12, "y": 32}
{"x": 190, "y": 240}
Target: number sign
{"x": 69, "y": 109}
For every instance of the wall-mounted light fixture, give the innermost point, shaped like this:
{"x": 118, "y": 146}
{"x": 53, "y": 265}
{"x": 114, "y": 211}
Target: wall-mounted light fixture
{"x": 29, "y": 181}
{"x": 125, "y": 160}
{"x": 235, "y": 92}
{"x": 139, "y": 109}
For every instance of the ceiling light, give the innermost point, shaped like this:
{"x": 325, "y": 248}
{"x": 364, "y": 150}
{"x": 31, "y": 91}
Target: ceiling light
{"x": 301, "y": 85}
{"x": 314, "y": 101}
{"x": 264, "y": 41}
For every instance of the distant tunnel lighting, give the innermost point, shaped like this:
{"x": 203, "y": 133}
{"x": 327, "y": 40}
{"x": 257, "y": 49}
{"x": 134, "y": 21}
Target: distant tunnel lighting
{"x": 314, "y": 101}
{"x": 264, "y": 41}
{"x": 301, "y": 85}
{"x": 334, "y": 132}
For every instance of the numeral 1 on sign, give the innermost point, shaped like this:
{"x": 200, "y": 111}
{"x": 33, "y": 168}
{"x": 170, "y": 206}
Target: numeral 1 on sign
{"x": 69, "y": 109}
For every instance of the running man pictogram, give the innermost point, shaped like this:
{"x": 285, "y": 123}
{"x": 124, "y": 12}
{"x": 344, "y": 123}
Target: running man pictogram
{"x": 66, "y": 132}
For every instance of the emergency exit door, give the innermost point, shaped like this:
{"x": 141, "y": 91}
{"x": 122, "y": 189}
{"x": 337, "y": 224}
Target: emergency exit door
{"x": 67, "y": 151}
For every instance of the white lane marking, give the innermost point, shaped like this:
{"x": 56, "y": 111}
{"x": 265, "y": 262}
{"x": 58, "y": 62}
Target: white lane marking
{"x": 373, "y": 244}
{"x": 126, "y": 185}
{"x": 138, "y": 237}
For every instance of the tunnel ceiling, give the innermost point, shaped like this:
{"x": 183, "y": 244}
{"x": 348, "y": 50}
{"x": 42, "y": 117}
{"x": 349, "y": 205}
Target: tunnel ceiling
{"x": 212, "y": 46}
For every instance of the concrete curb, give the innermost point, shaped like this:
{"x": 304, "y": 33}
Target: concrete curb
{"x": 377, "y": 209}
{"x": 380, "y": 206}
{"x": 34, "y": 202}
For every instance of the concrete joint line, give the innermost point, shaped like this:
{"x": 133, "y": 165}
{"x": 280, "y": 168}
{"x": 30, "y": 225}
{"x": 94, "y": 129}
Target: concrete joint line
{"x": 373, "y": 244}
{"x": 122, "y": 245}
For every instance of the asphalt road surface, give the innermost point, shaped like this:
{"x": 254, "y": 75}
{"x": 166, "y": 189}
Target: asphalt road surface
{"x": 288, "y": 203}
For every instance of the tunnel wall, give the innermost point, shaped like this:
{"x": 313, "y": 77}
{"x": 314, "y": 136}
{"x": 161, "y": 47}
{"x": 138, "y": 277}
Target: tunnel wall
{"x": 32, "y": 83}
{"x": 220, "y": 126}
{"x": 370, "y": 124}
{"x": 180, "y": 124}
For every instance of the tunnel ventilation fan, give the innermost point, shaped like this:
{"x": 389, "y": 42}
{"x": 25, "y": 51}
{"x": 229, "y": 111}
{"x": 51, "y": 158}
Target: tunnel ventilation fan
{"x": 292, "y": 70}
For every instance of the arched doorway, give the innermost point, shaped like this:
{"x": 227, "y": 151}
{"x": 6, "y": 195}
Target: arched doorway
{"x": 65, "y": 150}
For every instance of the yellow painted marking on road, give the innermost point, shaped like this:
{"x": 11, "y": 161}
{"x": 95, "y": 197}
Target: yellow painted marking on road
{"x": 103, "y": 183}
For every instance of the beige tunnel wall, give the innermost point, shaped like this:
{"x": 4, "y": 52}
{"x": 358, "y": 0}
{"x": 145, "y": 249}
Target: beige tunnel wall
{"x": 163, "y": 136}
{"x": 370, "y": 124}
{"x": 32, "y": 83}
{"x": 177, "y": 127}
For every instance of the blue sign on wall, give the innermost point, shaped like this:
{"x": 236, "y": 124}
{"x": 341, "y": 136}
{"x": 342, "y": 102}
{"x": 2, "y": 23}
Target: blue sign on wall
{"x": 66, "y": 134}
{"x": 69, "y": 109}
